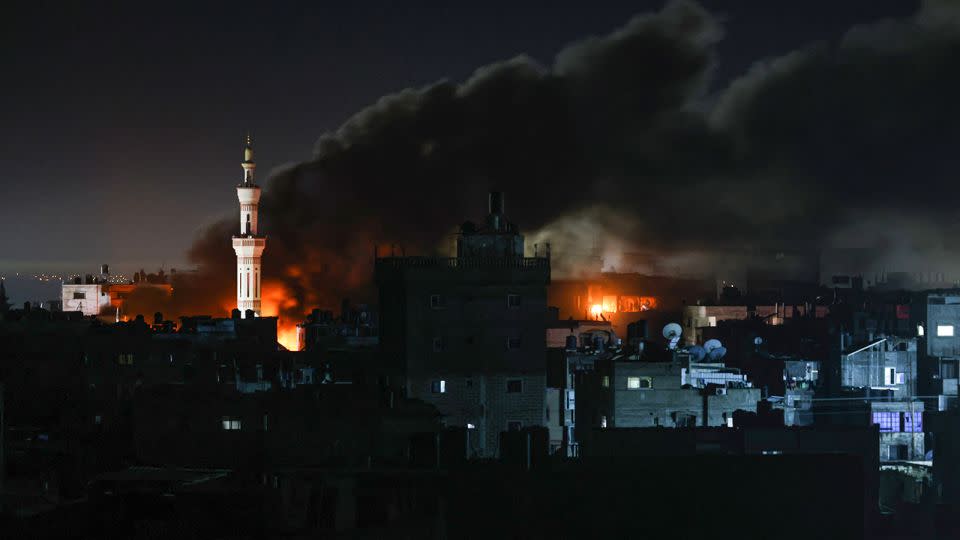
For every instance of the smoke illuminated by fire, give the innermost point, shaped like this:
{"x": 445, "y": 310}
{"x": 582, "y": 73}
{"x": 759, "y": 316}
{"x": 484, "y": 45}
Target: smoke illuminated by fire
{"x": 278, "y": 300}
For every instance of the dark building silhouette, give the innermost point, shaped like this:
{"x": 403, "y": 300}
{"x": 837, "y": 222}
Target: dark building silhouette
{"x": 469, "y": 330}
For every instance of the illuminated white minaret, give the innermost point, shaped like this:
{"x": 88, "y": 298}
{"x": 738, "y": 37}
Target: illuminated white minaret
{"x": 248, "y": 244}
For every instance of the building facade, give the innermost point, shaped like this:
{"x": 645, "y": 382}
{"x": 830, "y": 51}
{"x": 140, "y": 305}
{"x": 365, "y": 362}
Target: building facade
{"x": 470, "y": 331}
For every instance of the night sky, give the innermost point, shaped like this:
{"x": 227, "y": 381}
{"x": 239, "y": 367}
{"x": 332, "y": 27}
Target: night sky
{"x": 122, "y": 126}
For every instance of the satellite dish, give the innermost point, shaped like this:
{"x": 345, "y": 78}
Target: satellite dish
{"x": 758, "y": 340}
{"x": 712, "y": 344}
{"x": 716, "y": 354}
{"x": 672, "y": 332}
{"x": 697, "y": 352}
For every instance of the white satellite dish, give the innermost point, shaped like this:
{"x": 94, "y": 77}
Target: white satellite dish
{"x": 672, "y": 332}
{"x": 712, "y": 344}
{"x": 716, "y": 354}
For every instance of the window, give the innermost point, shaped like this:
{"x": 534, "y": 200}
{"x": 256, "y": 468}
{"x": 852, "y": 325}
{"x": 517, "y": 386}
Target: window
{"x": 98, "y": 419}
{"x": 514, "y": 386}
{"x": 898, "y": 422}
{"x": 605, "y": 382}
{"x": 230, "y": 423}
{"x": 636, "y": 383}
{"x": 944, "y": 330}
{"x": 125, "y": 359}
{"x": 889, "y": 422}
{"x": 915, "y": 425}
{"x": 636, "y": 304}
{"x": 513, "y": 343}
{"x": 889, "y": 376}
{"x": 609, "y": 304}
{"x": 436, "y": 301}
{"x": 513, "y": 301}
{"x": 948, "y": 370}
{"x": 79, "y": 296}
{"x": 438, "y": 387}
{"x": 514, "y": 425}
{"x": 438, "y": 344}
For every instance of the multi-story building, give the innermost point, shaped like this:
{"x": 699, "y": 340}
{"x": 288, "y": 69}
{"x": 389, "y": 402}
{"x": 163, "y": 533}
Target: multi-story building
{"x": 939, "y": 334}
{"x": 877, "y": 385}
{"x": 622, "y": 393}
{"x": 470, "y": 330}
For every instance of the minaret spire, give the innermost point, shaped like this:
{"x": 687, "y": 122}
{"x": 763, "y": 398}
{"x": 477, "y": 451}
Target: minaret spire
{"x": 249, "y": 244}
{"x": 249, "y": 165}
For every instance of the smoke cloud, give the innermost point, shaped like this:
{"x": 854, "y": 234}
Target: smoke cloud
{"x": 626, "y": 144}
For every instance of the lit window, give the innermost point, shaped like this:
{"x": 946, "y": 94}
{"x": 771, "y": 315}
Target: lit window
{"x": 633, "y": 382}
{"x": 610, "y": 304}
{"x": 944, "y": 330}
{"x": 438, "y": 387}
{"x": 514, "y": 386}
{"x": 436, "y": 301}
{"x": 920, "y": 330}
{"x": 889, "y": 376}
{"x": 513, "y": 301}
{"x": 603, "y": 421}
{"x": 125, "y": 359}
{"x": 230, "y": 423}
{"x": 471, "y": 426}
{"x": 605, "y": 381}
{"x": 888, "y": 421}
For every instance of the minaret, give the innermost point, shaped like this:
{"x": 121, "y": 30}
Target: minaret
{"x": 248, "y": 244}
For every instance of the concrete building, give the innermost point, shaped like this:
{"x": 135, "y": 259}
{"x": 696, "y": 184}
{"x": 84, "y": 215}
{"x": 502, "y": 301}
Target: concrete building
{"x": 878, "y": 385}
{"x": 88, "y": 298}
{"x": 249, "y": 244}
{"x": 938, "y": 329}
{"x": 470, "y": 330}
{"x": 630, "y": 394}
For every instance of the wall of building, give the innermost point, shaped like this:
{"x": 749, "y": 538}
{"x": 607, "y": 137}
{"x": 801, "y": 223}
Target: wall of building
{"x": 943, "y": 310}
{"x": 666, "y": 403}
{"x": 484, "y": 402}
{"x": 94, "y": 298}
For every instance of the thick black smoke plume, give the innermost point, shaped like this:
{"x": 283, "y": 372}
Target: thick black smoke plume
{"x": 624, "y": 144}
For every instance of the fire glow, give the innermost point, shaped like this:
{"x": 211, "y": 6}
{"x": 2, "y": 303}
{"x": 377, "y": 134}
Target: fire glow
{"x": 277, "y": 299}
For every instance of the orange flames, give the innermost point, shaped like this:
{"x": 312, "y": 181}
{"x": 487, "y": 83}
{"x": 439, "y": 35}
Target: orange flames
{"x": 277, "y": 299}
